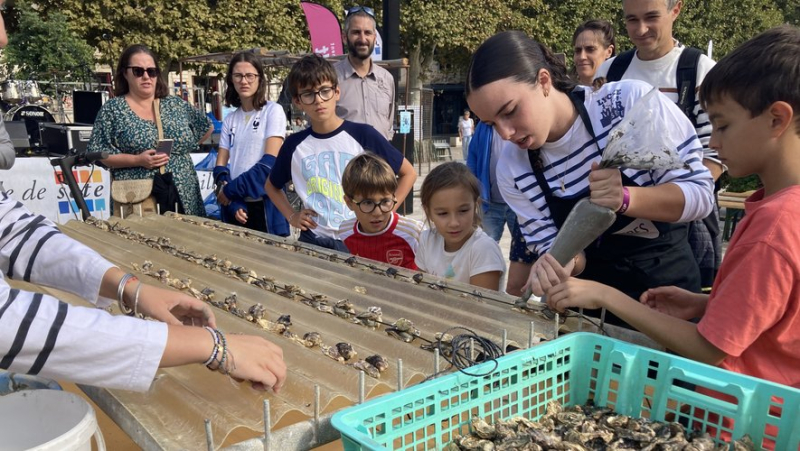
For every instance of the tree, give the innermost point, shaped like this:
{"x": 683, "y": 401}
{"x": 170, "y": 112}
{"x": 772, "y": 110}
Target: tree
{"x": 44, "y": 44}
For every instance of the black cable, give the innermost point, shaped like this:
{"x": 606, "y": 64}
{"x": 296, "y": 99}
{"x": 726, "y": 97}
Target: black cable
{"x": 460, "y": 356}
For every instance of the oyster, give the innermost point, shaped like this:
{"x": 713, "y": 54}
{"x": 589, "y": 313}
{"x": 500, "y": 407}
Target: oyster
{"x": 331, "y": 352}
{"x": 367, "y": 368}
{"x": 257, "y": 311}
{"x": 361, "y": 290}
{"x": 370, "y": 318}
{"x": 378, "y": 361}
{"x": 418, "y": 277}
{"x": 312, "y": 339}
{"x": 286, "y": 320}
{"x": 270, "y": 326}
{"x": 346, "y": 350}
{"x": 344, "y": 309}
{"x": 231, "y": 301}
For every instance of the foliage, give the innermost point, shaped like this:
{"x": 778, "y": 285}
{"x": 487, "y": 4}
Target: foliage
{"x": 728, "y": 23}
{"x": 45, "y": 44}
{"x": 739, "y": 185}
{"x": 175, "y": 29}
{"x": 443, "y": 30}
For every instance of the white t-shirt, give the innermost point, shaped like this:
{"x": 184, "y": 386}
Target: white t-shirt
{"x": 478, "y": 255}
{"x": 466, "y": 126}
{"x": 244, "y": 134}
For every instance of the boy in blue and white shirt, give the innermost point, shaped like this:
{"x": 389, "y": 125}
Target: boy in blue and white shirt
{"x": 314, "y": 159}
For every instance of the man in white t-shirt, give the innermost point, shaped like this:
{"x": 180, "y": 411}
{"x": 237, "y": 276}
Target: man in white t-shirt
{"x": 655, "y": 60}
{"x": 466, "y": 126}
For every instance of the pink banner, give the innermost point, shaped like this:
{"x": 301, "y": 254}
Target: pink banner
{"x": 324, "y": 28}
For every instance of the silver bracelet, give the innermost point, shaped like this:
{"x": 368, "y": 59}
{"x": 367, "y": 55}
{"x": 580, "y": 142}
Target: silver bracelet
{"x": 135, "y": 311}
{"x": 121, "y": 291}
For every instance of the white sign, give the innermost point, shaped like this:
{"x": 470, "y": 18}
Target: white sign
{"x": 38, "y": 185}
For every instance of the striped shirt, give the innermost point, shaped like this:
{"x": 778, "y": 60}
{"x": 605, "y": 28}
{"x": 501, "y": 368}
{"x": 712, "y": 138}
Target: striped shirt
{"x": 396, "y": 245}
{"x": 41, "y": 335}
{"x": 568, "y": 161}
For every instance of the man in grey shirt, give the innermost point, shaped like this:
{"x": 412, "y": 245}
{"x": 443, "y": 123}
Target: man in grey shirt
{"x": 367, "y": 91}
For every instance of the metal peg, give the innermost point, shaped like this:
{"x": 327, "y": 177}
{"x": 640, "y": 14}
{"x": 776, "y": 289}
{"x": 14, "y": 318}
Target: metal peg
{"x": 557, "y": 323}
{"x": 531, "y": 334}
{"x": 361, "y": 387}
{"x": 267, "y": 425}
{"x": 316, "y": 413}
{"x": 580, "y": 319}
{"x": 505, "y": 342}
{"x": 435, "y": 361}
{"x": 399, "y": 374}
{"x": 209, "y": 436}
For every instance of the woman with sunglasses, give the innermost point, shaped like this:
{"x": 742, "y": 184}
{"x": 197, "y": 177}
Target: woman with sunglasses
{"x": 126, "y": 128}
{"x": 254, "y": 130}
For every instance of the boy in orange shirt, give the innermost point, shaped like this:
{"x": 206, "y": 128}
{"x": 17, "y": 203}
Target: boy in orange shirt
{"x": 751, "y": 320}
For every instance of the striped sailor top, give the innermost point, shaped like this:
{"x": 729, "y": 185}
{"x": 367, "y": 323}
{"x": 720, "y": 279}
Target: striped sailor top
{"x": 41, "y": 335}
{"x": 568, "y": 161}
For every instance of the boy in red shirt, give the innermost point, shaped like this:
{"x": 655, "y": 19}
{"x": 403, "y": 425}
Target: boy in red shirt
{"x": 751, "y": 320}
{"x": 377, "y": 232}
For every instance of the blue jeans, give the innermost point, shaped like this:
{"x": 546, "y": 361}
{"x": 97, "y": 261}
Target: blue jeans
{"x": 465, "y": 146}
{"x": 495, "y": 217}
{"x": 307, "y": 236}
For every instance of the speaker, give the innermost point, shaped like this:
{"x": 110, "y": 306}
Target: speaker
{"x": 63, "y": 139}
{"x": 18, "y": 132}
{"x": 86, "y": 105}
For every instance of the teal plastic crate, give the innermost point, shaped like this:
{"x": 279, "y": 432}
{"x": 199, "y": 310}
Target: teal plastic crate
{"x": 574, "y": 369}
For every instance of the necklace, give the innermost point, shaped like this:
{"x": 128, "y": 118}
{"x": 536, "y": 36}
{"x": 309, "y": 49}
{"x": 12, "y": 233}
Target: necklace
{"x": 566, "y": 165}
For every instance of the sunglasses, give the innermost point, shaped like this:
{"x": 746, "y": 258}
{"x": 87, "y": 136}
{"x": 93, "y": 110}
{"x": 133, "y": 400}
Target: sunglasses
{"x": 137, "y": 71}
{"x": 366, "y": 9}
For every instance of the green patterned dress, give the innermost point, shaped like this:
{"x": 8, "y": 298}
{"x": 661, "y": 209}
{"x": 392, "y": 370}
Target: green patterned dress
{"x": 119, "y": 130}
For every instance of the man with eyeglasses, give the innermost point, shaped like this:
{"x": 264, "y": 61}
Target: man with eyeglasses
{"x": 367, "y": 90}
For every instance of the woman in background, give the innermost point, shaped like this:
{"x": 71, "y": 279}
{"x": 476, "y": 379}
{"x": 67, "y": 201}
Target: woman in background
{"x": 594, "y": 41}
{"x": 126, "y": 128}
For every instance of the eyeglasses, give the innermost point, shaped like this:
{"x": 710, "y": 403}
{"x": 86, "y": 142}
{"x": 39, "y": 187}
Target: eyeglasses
{"x": 309, "y": 97}
{"x": 369, "y": 205}
{"x": 366, "y": 9}
{"x": 137, "y": 71}
{"x": 249, "y": 77}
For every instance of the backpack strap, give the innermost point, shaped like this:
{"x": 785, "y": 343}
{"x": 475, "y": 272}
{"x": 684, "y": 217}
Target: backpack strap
{"x": 620, "y": 65}
{"x": 687, "y": 81}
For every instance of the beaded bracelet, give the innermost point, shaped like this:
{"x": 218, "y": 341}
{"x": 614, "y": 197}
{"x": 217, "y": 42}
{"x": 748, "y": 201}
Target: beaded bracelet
{"x": 216, "y": 348}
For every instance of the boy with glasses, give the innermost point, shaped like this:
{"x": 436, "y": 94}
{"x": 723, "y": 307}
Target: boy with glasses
{"x": 315, "y": 158}
{"x": 377, "y": 232}
{"x": 367, "y": 90}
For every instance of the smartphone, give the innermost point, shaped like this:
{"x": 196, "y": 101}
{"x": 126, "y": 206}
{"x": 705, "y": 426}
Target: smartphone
{"x": 164, "y": 146}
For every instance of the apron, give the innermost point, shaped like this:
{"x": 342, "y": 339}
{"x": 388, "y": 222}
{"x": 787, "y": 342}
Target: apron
{"x": 628, "y": 263}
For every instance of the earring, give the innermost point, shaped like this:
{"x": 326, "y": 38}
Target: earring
{"x": 546, "y": 92}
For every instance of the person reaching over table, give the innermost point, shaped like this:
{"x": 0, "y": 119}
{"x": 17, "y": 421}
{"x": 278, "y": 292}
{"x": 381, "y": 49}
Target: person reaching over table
{"x": 557, "y": 132}
{"x": 41, "y": 335}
